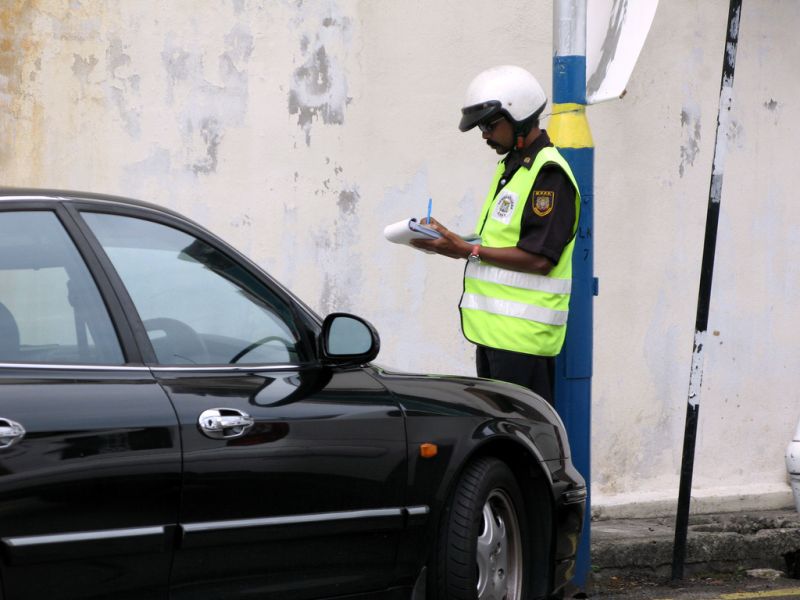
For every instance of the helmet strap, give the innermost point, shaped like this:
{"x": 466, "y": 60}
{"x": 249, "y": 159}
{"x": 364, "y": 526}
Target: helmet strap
{"x": 524, "y": 127}
{"x": 521, "y": 131}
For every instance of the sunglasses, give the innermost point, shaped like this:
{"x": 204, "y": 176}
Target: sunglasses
{"x": 489, "y": 127}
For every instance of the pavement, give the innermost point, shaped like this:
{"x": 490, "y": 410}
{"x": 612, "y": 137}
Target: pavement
{"x": 706, "y": 588}
{"x": 761, "y": 544}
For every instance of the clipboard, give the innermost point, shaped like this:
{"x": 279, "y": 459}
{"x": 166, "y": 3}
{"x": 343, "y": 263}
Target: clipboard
{"x": 403, "y": 232}
{"x": 406, "y": 230}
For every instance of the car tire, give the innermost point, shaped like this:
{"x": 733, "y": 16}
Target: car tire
{"x": 484, "y": 539}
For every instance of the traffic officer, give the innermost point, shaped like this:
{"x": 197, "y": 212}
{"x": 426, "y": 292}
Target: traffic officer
{"x": 517, "y": 280}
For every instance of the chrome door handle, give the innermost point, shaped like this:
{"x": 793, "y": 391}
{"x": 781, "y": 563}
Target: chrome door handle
{"x": 224, "y": 423}
{"x": 10, "y": 433}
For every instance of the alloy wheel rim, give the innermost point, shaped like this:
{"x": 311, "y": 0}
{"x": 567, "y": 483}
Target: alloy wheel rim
{"x": 499, "y": 550}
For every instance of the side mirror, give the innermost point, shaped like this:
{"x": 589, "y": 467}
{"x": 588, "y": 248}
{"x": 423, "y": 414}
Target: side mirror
{"x": 347, "y": 339}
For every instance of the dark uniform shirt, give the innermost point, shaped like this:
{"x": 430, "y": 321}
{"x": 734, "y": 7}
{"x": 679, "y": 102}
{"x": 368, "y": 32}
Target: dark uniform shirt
{"x": 547, "y": 229}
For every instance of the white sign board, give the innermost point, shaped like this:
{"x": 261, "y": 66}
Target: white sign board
{"x": 615, "y": 34}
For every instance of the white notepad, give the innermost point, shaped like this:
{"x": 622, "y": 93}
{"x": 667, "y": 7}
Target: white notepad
{"x": 406, "y": 230}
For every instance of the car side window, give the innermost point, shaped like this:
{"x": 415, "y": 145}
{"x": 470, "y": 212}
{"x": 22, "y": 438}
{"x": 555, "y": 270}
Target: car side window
{"x": 50, "y": 308}
{"x": 199, "y": 307}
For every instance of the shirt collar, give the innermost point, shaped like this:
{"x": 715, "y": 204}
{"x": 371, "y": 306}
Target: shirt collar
{"x": 525, "y": 157}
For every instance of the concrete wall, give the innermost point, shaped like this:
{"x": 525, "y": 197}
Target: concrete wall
{"x": 297, "y": 130}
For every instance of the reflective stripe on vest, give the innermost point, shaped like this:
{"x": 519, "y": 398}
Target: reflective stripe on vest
{"x": 518, "y": 310}
{"x": 517, "y": 279}
{"x": 511, "y": 310}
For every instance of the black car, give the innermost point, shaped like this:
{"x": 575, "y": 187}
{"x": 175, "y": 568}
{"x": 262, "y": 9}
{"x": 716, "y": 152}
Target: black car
{"x": 175, "y": 424}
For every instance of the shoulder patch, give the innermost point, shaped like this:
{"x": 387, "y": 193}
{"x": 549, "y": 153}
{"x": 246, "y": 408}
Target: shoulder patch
{"x": 543, "y": 202}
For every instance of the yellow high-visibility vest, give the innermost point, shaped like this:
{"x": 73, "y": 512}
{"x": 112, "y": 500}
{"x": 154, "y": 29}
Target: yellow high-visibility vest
{"x": 511, "y": 310}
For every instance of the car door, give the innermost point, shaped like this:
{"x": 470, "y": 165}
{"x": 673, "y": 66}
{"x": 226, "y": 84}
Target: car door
{"x": 89, "y": 443}
{"x": 294, "y": 474}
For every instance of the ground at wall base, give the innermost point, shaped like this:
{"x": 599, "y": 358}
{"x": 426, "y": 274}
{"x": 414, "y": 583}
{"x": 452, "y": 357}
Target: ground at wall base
{"x": 720, "y": 546}
{"x": 698, "y": 587}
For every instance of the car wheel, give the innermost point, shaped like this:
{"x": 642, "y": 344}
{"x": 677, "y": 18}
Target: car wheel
{"x": 484, "y": 537}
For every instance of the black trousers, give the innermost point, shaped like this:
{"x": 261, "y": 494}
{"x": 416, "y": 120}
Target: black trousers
{"x": 533, "y": 372}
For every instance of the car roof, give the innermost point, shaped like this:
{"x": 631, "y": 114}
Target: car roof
{"x": 17, "y": 194}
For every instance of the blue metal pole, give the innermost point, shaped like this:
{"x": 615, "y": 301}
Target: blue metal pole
{"x": 569, "y": 130}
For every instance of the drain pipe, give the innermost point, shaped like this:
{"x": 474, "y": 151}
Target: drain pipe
{"x": 793, "y": 466}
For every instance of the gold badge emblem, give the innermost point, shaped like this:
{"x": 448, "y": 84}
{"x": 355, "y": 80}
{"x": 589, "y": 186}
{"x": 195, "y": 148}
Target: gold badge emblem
{"x": 543, "y": 202}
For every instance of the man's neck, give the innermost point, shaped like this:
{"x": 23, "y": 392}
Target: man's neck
{"x": 533, "y": 134}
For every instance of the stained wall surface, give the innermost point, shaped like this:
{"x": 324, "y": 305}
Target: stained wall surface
{"x": 297, "y": 130}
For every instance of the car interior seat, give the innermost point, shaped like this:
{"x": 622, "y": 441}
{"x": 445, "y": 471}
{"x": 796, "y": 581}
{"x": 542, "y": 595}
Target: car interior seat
{"x": 9, "y": 335}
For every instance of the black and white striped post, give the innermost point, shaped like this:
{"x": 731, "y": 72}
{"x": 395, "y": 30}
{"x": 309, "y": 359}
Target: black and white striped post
{"x": 704, "y": 294}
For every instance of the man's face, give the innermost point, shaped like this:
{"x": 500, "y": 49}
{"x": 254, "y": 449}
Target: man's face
{"x": 498, "y": 134}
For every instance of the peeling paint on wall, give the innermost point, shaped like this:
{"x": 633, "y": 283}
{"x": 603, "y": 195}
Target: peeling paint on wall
{"x": 691, "y": 127}
{"x": 19, "y": 56}
{"x": 319, "y": 85}
{"x": 82, "y": 67}
{"x": 348, "y": 202}
{"x": 775, "y": 108}
{"x": 339, "y": 245}
{"x": 211, "y": 136}
{"x": 206, "y": 109}
{"x": 124, "y": 87}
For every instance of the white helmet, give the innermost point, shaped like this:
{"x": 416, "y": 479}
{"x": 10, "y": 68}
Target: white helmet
{"x": 508, "y": 91}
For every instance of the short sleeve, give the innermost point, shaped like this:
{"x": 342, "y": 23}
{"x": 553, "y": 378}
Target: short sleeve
{"x": 549, "y": 214}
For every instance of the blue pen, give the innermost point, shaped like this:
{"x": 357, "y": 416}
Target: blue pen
{"x": 430, "y": 205}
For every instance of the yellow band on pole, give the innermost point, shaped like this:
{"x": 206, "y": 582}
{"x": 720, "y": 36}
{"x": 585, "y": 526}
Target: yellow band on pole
{"x": 569, "y": 127}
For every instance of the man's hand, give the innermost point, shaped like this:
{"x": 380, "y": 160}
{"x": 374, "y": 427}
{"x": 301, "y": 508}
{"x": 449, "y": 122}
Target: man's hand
{"x": 448, "y": 245}
{"x": 512, "y": 257}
